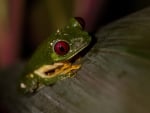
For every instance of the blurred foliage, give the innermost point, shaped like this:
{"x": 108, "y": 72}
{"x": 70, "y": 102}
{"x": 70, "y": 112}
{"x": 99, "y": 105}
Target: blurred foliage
{"x": 3, "y": 12}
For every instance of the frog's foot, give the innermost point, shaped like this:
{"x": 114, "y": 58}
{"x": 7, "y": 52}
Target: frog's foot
{"x": 60, "y": 68}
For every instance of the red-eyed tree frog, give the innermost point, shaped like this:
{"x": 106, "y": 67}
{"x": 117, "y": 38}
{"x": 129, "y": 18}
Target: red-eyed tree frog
{"x": 52, "y": 60}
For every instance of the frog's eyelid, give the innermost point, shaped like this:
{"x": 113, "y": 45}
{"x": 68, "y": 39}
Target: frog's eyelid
{"x": 55, "y": 41}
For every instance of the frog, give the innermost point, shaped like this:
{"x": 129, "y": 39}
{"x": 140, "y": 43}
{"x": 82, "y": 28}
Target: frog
{"x": 52, "y": 61}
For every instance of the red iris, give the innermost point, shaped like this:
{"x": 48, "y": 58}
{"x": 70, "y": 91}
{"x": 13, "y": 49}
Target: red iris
{"x": 61, "y": 47}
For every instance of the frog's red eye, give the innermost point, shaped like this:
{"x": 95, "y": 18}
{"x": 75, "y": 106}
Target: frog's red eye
{"x": 61, "y": 47}
{"x": 81, "y": 21}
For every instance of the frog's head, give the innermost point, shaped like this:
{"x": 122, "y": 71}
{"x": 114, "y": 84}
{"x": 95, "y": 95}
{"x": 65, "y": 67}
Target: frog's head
{"x": 51, "y": 62}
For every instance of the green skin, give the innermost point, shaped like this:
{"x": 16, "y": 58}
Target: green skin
{"x": 45, "y": 55}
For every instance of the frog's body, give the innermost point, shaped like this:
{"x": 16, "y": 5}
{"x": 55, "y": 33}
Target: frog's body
{"x": 51, "y": 60}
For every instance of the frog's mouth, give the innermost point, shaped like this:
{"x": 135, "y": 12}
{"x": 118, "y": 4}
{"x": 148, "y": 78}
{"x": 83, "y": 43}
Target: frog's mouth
{"x": 59, "y": 68}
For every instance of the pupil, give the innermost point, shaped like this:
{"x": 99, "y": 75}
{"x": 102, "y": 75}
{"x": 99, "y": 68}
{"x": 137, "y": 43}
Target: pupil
{"x": 62, "y": 49}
